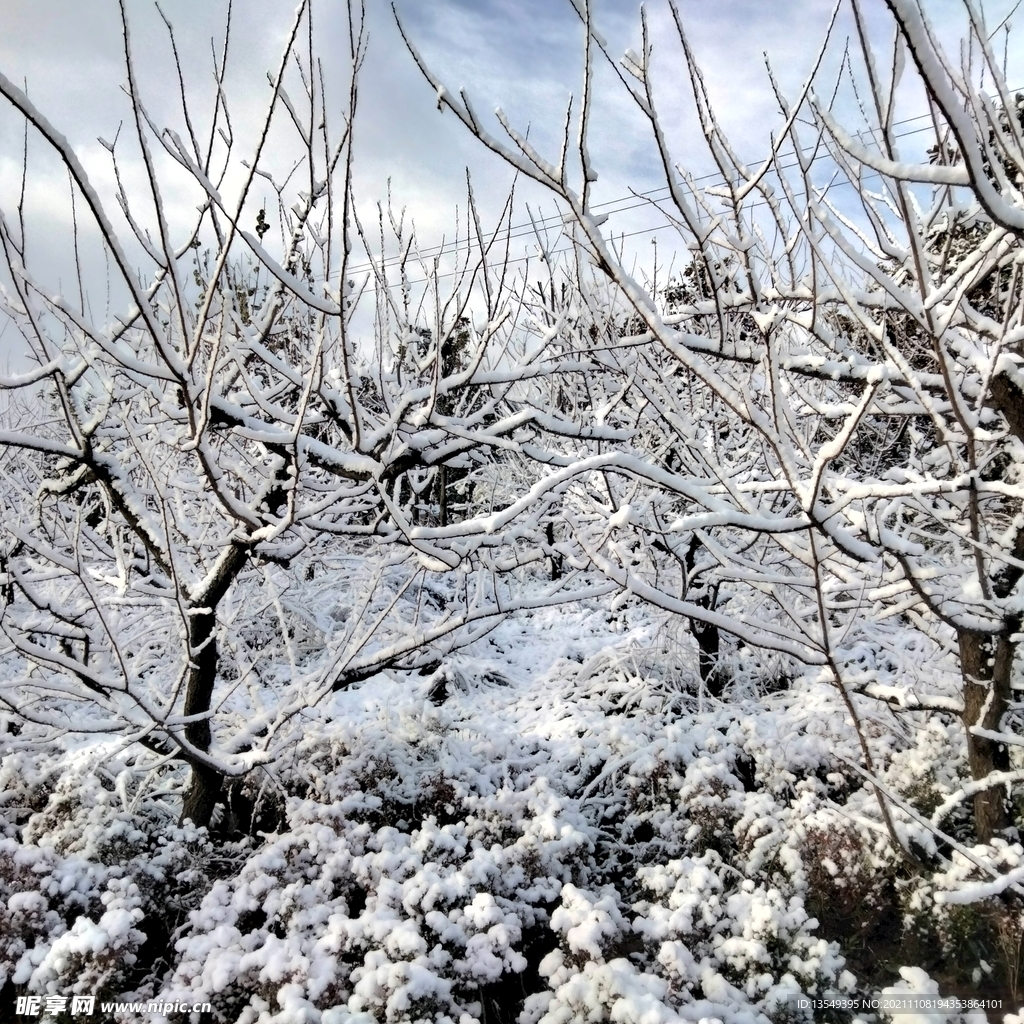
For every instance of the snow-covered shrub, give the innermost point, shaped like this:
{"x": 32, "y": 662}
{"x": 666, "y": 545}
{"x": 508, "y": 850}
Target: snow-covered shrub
{"x": 971, "y": 922}
{"x": 914, "y": 981}
{"x": 725, "y": 941}
{"x": 26, "y": 780}
{"x": 710, "y": 867}
{"x": 528, "y": 839}
{"x": 91, "y": 893}
{"x": 555, "y": 838}
{"x": 613, "y": 991}
{"x": 851, "y": 886}
{"x": 407, "y": 923}
{"x": 67, "y": 924}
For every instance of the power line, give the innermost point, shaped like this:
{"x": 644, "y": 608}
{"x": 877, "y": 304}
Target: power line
{"x": 654, "y": 229}
{"x": 634, "y": 200}
{"x": 622, "y": 235}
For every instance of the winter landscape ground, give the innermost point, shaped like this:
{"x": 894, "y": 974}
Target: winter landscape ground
{"x": 534, "y": 626}
{"x": 557, "y": 822}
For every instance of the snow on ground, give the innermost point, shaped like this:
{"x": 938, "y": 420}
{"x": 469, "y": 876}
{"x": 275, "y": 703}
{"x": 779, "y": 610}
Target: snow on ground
{"x": 555, "y": 827}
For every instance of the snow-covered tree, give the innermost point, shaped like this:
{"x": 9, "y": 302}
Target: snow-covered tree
{"x": 828, "y": 410}
{"x": 264, "y": 474}
{"x": 211, "y": 512}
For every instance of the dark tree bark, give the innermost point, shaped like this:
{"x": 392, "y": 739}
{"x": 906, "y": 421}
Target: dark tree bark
{"x": 442, "y": 493}
{"x": 709, "y": 641}
{"x": 986, "y": 661}
{"x": 204, "y": 789}
{"x": 205, "y": 782}
{"x": 555, "y": 560}
{"x": 708, "y": 644}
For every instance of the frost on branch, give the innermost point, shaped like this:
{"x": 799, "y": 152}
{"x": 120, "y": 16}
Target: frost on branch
{"x": 191, "y": 477}
{"x": 387, "y": 639}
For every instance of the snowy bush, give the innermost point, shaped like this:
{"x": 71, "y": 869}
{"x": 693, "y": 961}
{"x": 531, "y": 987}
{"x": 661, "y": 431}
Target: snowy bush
{"x": 406, "y": 924}
{"x": 567, "y": 844}
{"x": 91, "y": 894}
{"x": 557, "y": 838}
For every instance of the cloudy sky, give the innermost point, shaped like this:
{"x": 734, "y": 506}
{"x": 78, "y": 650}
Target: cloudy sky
{"x": 524, "y": 55}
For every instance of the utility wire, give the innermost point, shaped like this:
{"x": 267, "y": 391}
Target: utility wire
{"x": 645, "y": 199}
{"x": 634, "y": 201}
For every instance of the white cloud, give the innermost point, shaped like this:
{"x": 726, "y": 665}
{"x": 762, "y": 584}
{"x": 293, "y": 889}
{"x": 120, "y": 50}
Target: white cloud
{"x": 522, "y": 54}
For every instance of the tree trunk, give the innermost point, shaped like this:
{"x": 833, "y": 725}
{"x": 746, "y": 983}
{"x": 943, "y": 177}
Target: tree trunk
{"x": 204, "y": 790}
{"x": 709, "y": 644}
{"x": 986, "y": 661}
{"x": 709, "y": 641}
{"x": 555, "y": 559}
{"x": 204, "y": 784}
